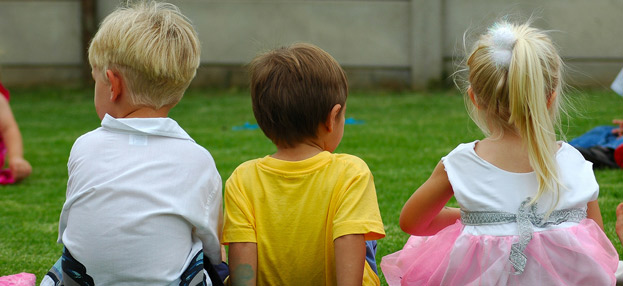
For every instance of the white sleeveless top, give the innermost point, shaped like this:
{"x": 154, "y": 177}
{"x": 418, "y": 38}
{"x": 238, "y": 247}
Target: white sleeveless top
{"x": 480, "y": 186}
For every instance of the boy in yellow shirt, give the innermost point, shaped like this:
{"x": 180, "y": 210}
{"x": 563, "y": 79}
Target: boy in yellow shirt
{"x": 302, "y": 215}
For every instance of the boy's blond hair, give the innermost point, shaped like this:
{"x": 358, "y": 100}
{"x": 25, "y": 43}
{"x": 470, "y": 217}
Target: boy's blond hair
{"x": 153, "y": 46}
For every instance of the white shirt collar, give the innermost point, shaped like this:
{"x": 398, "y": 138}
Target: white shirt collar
{"x": 146, "y": 126}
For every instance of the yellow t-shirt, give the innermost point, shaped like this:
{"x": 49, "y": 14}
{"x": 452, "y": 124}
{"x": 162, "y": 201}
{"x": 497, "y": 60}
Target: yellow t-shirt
{"x": 294, "y": 211}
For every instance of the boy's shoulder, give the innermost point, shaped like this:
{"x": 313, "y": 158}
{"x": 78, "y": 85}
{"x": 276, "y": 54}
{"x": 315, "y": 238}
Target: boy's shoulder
{"x": 249, "y": 165}
{"x": 351, "y": 161}
{"x": 87, "y": 137}
{"x": 341, "y": 159}
{"x": 127, "y": 133}
{"x": 344, "y": 165}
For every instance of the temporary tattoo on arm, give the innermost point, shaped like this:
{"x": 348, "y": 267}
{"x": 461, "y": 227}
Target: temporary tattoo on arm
{"x": 242, "y": 274}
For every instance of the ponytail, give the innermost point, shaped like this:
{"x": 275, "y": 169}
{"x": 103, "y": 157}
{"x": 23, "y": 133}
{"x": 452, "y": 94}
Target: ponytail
{"x": 515, "y": 73}
{"x": 529, "y": 99}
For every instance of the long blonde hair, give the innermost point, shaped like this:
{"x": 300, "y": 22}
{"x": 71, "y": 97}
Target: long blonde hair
{"x": 515, "y": 73}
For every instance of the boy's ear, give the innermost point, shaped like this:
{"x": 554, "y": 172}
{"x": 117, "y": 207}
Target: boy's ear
{"x": 332, "y": 117}
{"x": 472, "y": 96}
{"x": 551, "y": 99}
{"x": 116, "y": 84}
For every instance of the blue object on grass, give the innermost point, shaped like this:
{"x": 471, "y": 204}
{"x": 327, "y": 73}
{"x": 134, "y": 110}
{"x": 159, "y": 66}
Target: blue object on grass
{"x": 353, "y": 121}
{"x": 245, "y": 126}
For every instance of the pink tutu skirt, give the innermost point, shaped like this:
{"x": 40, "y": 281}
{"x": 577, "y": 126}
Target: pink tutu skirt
{"x": 21, "y": 279}
{"x": 578, "y": 255}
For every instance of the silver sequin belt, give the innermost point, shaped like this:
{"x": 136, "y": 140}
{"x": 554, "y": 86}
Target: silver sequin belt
{"x": 526, "y": 219}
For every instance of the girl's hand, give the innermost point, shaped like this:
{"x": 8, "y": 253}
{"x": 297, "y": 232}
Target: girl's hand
{"x": 20, "y": 168}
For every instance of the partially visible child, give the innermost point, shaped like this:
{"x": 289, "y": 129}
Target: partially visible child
{"x": 302, "y": 215}
{"x": 602, "y": 145}
{"x": 143, "y": 200}
{"x": 619, "y": 231}
{"x": 619, "y": 223}
{"x": 11, "y": 148}
{"x": 528, "y": 204}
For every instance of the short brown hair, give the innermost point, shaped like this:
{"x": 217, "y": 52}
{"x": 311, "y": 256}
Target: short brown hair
{"x": 293, "y": 90}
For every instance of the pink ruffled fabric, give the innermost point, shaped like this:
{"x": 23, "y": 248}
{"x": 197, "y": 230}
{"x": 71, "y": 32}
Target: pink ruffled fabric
{"x": 579, "y": 255}
{"x": 21, "y": 279}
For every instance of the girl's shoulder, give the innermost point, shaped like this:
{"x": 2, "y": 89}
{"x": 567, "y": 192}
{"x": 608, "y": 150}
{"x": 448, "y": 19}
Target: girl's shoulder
{"x": 463, "y": 149}
{"x": 568, "y": 153}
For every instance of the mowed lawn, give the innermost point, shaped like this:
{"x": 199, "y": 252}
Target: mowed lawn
{"x": 402, "y": 137}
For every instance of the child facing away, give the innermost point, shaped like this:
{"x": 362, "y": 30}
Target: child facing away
{"x": 528, "y": 204}
{"x": 302, "y": 215}
{"x": 143, "y": 202}
{"x": 602, "y": 145}
{"x": 11, "y": 147}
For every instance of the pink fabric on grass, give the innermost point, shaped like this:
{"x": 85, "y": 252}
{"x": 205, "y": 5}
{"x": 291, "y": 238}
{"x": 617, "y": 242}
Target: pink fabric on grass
{"x": 6, "y": 177}
{"x": 579, "y": 255}
{"x": 21, "y": 279}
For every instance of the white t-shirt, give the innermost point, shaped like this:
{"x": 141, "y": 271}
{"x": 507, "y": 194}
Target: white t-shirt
{"x": 142, "y": 199}
{"x": 481, "y": 186}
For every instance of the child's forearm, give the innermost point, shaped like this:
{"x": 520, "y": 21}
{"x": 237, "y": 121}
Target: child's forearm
{"x": 350, "y": 256}
{"x": 425, "y": 213}
{"x": 447, "y": 216}
{"x": 243, "y": 263}
{"x": 13, "y": 141}
{"x": 10, "y": 131}
{"x": 593, "y": 212}
{"x": 20, "y": 168}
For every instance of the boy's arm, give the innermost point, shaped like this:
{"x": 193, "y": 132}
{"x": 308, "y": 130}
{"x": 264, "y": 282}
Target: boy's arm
{"x": 243, "y": 263}
{"x": 20, "y": 168}
{"x": 350, "y": 256}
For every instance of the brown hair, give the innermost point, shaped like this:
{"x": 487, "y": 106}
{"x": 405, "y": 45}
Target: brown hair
{"x": 293, "y": 90}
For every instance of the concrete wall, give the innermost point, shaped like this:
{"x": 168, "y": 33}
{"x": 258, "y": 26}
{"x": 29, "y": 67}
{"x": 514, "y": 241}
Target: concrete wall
{"x": 392, "y": 44}
{"x": 39, "y": 41}
{"x": 588, "y": 33}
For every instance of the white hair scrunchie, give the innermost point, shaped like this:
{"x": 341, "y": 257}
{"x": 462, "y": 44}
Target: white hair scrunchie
{"x": 503, "y": 40}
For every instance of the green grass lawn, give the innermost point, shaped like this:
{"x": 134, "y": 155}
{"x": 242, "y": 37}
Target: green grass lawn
{"x": 402, "y": 139}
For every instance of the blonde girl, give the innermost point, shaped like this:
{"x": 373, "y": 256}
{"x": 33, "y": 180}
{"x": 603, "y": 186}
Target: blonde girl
{"x": 528, "y": 204}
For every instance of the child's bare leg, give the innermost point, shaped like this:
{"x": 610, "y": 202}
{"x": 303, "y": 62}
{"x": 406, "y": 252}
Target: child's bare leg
{"x": 619, "y": 224}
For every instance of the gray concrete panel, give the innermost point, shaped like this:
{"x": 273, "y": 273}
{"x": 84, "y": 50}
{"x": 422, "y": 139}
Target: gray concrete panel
{"x": 391, "y": 43}
{"x": 426, "y": 47}
{"x": 52, "y": 75}
{"x": 582, "y": 29}
{"x": 362, "y": 34}
{"x": 369, "y": 33}
{"x": 40, "y": 32}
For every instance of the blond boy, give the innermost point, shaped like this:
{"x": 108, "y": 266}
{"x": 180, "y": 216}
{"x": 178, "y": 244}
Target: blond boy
{"x": 302, "y": 215}
{"x": 143, "y": 199}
